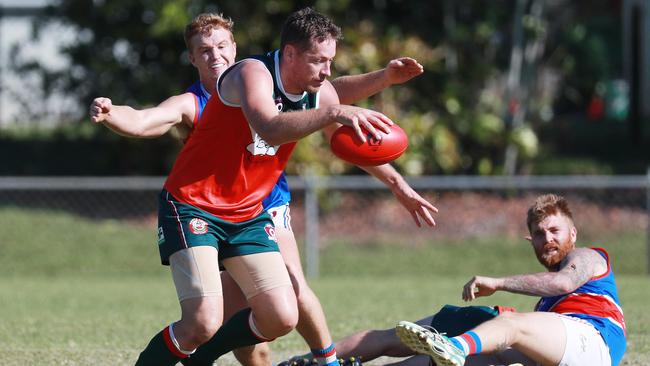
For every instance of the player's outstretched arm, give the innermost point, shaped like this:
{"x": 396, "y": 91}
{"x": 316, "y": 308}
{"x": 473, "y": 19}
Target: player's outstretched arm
{"x": 249, "y": 84}
{"x": 419, "y": 208}
{"x": 354, "y": 88}
{"x": 576, "y": 269}
{"x": 144, "y": 123}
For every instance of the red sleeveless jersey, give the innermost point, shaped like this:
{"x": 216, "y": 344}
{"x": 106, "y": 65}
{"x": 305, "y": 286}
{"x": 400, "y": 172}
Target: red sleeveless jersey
{"x": 225, "y": 168}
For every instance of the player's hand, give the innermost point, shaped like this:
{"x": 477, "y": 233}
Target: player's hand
{"x": 479, "y": 286}
{"x": 401, "y": 70}
{"x": 99, "y": 109}
{"x": 417, "y": 206}
{"x": 361, "y": 119}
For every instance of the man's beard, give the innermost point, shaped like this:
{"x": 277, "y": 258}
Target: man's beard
{"x": 552, "y": 261}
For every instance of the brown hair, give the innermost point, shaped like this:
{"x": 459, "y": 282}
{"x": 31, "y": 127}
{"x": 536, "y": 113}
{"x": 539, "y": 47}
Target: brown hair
{"x": 204, "y": 24}
{"x": 305, "y": 25}
{"x": 545, "y": 206}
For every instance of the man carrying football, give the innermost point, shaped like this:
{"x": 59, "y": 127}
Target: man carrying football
{"x": 103, "y": 111}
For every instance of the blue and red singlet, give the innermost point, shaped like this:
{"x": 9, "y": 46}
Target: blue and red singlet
{"x": 596, "y": 302}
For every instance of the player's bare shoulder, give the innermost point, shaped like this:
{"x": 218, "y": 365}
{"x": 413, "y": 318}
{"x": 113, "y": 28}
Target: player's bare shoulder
{"x": 327, "y": 95}
{"x": 247, "y": 74}
{"x": 583, "y": 264}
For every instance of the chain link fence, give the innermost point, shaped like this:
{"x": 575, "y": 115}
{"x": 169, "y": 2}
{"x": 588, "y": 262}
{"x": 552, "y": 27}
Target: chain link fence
{"x": 355, "y": 210}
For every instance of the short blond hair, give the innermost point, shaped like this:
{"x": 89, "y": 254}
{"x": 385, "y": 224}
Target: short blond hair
{"x": 545, "y": 206}
{"x": 204, "y": 24}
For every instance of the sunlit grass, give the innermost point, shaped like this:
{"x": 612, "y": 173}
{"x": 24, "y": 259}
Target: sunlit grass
{"x": 82, "y": 292}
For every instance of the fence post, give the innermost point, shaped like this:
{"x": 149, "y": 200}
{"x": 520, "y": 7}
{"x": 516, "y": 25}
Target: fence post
{"x": 311, "y": 226}
{"x": 647, "y": 207}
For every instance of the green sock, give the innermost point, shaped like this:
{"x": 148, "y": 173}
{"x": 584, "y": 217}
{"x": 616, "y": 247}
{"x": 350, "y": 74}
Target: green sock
{"x": 235, "y": 333}
{"x": 160, "y": 351}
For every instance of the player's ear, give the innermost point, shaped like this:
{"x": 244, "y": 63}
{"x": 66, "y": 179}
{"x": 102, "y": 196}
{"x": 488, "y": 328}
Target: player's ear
{"x": 574, "y": 234}
{"x": 190, "y": 56}
{"x": 529, "y": 238}
{"x": 289, "y": 52}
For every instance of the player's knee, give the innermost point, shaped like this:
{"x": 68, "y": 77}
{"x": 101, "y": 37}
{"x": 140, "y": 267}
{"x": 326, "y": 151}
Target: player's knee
{"x": 203, "y": 328}
{"x": 275, "y": 321}
{"x": 275, "y": 312}
{"x": 511, "y": 322}
{"x": 262, "y": 354}
{"x": 509, "y": 317}
{"x": 258, "y": 355}
{"x": 279, "y": 321}
{"x": 286, "y": 319}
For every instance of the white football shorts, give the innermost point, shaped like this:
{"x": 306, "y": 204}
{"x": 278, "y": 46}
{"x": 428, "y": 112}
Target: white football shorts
{"x": 281, "y": 216}
{"x": 584, "y": 345}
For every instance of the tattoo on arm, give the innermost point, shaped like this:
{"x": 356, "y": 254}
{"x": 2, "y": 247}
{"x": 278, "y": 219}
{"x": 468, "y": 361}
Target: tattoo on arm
{"x": 579, "y": 266}
{"x": 534, "y": 284}
{"x": 575, "y": 270}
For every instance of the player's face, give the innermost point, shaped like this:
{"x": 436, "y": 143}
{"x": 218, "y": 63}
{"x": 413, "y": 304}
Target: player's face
{"x": 553, "y": 238}
{"x": 313, "y": 66}
{"x": 212, "y": 53}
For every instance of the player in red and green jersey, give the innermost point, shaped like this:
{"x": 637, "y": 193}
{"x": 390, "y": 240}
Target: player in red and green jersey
{"x": 210, "y": 49}
{"x": 222, "y": 213}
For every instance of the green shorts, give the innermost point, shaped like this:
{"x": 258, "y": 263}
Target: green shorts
{"x": 456, "y": 320}
{"x": 182, "y": 226}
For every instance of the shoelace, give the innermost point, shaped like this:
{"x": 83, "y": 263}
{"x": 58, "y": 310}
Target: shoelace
{"x": 433, "y": 331}
{"x": 438, "y": 337}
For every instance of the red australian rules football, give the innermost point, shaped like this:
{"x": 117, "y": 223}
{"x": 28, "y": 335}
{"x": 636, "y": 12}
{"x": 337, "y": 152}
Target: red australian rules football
{"x": 347, "y": 146}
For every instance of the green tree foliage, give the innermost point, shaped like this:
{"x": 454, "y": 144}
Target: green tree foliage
{"x": 458, "y": 114}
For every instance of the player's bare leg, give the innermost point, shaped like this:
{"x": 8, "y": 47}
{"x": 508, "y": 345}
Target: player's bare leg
{"x": 200, "y": 319}
{"x": 371, "y": 344}
{"x": 234, "y": 301}
{"x": 539, "y": 335}
{"x": 273, "y": 312}
{"x": 256, "y": 355}
{"x": 196, "y": 277}
{"x": 264, "y": 280}
{"x": 201, "y": 300}
{"x": 312, "y": 325}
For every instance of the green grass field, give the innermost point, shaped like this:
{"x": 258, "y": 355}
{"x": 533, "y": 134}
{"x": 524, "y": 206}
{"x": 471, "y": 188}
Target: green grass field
{"x": 77, "y": 292}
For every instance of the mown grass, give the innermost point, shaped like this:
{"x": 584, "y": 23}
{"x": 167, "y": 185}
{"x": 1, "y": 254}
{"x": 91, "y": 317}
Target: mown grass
{"x": 81, "y": 292}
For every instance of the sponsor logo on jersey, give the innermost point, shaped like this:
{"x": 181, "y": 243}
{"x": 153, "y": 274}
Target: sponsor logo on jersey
{"x": 270, "y": 232}
{"x": 198, "y": 226}
{"x": 161, "y": 236}
{"x": 261, "y": 147}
